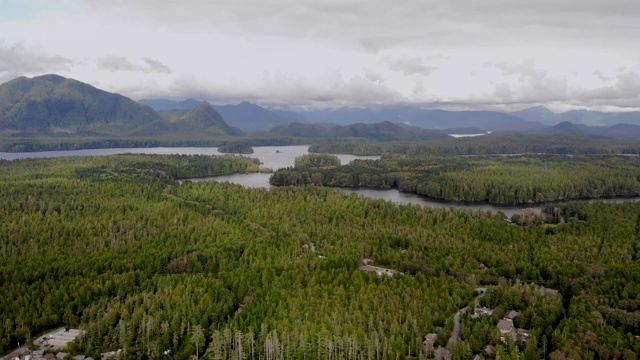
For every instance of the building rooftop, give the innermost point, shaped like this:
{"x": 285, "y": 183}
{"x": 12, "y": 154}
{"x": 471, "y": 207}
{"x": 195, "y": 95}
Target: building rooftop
{"x": 505, "y": 325}
{"x": 512, "y": 315}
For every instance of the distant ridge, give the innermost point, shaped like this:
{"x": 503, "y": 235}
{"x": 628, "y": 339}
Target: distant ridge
{"x": 382, "y": 131}
{"x": 165, "y": 104}
{"x": 250, "y": 117}
{"x": 54, "y": 106}
{"x": 579, "y": 117}
{"x": 246, "y": 116}
{"x": 200, "y": 121}
{"x": 427, "y": 119}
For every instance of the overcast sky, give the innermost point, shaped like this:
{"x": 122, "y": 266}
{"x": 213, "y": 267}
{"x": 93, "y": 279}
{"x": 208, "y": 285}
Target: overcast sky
{"x": 453, "y": 54}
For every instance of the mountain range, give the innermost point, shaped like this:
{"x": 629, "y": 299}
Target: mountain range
{"x": 580, "y": 117}
{"x": 382, "y": 131}
{"x": 251, "y": 117}
{"x": 54, "y": 105}
{"x": 51, "y": 105}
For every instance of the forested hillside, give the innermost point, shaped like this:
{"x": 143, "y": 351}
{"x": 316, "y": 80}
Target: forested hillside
{"x": 54, "y": 105}
{"x": 116, "y": 246}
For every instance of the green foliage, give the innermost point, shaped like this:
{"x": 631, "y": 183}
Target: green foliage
{"x": 496, "y": 179}
{"x": 51, "y": 104}
{"x": 492, "y": 144}
{"x": 235, "y": 148}
{"x": 116, "y": 246}
{"x": 317, "y": 161}
{"x": 49, "y": 143}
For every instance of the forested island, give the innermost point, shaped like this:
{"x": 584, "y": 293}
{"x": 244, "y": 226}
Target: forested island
{"x": 495, "y": 179}
{"x": 150, "y": 266}
{"x": 235, "y": 148}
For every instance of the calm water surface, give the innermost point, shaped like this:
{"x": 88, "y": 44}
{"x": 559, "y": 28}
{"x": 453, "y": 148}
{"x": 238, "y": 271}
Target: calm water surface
{"x": 277, "y": 157}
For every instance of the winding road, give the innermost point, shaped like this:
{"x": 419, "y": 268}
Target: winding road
{"x": 455, "y": 333}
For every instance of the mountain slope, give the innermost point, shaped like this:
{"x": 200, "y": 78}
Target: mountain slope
{"x": 428, "y": 119}
{"x": 382, "y": 131}
{"x": 579, "y": 117}
{"x": 623, "y": 131}
{"x": 52, "y": 104}
{"x": 538, "y": 113}
{"x": 250, "y": 117}
{"x": 203, "y": 120}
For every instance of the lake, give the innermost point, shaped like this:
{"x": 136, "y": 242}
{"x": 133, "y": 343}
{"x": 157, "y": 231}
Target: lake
{"x": 276, "y": 157}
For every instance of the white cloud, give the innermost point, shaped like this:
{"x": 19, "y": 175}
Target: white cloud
{"x": 411, "y": 66}
{"x": 19, "y": 59}
{"x": 493, "y": 53}
{"x": 119, "y": 63}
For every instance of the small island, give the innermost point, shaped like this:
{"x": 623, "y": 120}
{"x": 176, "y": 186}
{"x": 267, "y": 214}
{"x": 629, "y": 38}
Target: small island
{"x": 235, "y": 149}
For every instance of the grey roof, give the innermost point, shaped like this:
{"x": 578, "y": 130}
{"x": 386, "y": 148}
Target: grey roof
{"x": 489, "y": 350}
{"x": 505, "y": 325}
{"x": 430, "y": 337}
{"x": 512, "y": 315}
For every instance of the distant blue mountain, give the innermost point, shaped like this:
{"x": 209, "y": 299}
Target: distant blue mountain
{"x": 382, "y": 131}
{"x": 246, "y": 116}
{"x": 579, "y": 117}
{"x": 428, "y": 119}
{"x": 251, "y": 117}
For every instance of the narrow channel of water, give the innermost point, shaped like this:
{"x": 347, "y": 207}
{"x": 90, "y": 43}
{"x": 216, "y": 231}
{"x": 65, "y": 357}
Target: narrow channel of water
{"x": 277, "y": 157}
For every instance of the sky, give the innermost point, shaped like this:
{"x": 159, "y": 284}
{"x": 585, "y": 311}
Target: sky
{"x": 310, "y": 54}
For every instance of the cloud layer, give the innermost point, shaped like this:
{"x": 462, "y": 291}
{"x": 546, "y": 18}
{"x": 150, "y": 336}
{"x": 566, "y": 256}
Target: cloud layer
{"x": 500, "y": 54}
{"x": 119, "y": 63}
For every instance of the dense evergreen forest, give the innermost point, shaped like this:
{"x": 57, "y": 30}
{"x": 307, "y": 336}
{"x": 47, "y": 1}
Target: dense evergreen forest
{"x": 116, "y": 246}
{"x": 492, "y": 144}
{"x": 235, "y": 148}
{"x": 55, "y": 143}
{"x": 495, "y": 179}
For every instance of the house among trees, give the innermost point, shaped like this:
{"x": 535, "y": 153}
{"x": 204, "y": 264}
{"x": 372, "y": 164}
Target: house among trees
{"x": 489, "y": 350}
{"x": 523, "y": 335}
{"x": 483, "y": 311}
{"x": 429, "y": 342}
{"x": 506, "y": 328}
{"x": 378, "y": 270}
{"x": 511, "y": 315}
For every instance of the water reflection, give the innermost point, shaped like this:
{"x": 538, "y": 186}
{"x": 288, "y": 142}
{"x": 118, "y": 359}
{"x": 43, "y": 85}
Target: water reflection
{"x": 277, "y": 157}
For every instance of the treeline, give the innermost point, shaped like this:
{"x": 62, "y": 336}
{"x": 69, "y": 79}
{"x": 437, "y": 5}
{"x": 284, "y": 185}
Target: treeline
{"x": 497, "y": 179}
{"x": 317, "y": 160}
{"x": 56, "y": 143}
{"x": 491, "y": 144}
{"x": 235, "y": 148}
{"x": 217, "y": 269}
